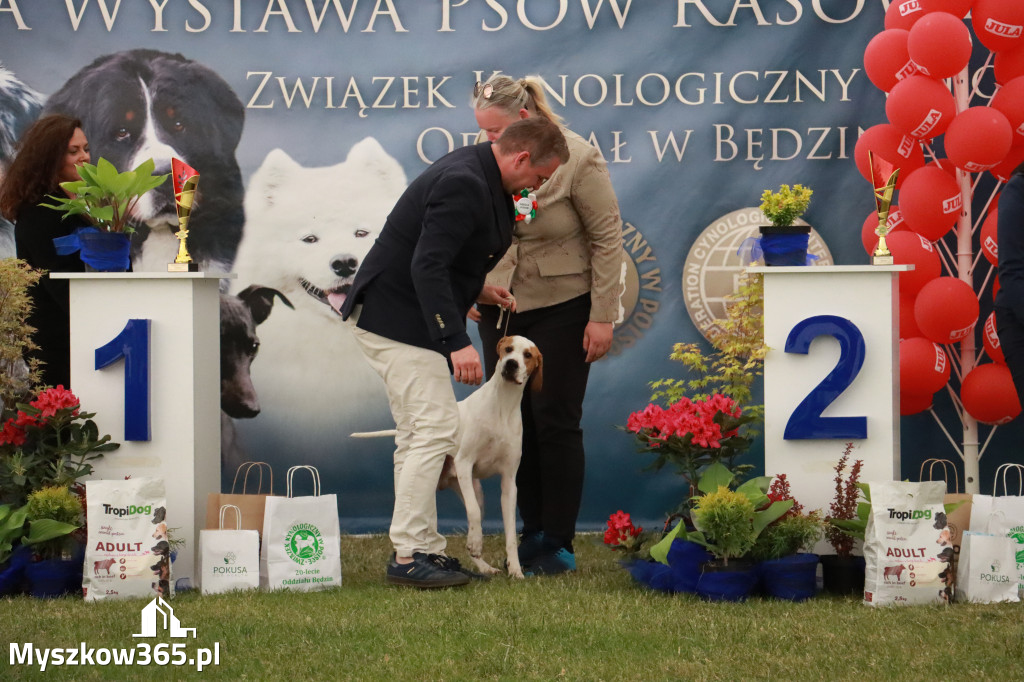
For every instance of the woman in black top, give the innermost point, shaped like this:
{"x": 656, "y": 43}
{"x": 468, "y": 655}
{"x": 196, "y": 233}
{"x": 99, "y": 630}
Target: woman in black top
{"x": 49, "y": 154}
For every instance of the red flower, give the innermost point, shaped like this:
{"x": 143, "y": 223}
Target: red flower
{"x": 53, "y": 399}
{"x": 10, "y": 434}
{"x": 686, "y": 416}
{"x": 621, "y": 533}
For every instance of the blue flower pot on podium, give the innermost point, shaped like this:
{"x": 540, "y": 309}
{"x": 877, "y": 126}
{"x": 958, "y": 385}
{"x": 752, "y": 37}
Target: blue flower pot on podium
{"x": 785, "y": 245}
{"x": 100, "y": 251}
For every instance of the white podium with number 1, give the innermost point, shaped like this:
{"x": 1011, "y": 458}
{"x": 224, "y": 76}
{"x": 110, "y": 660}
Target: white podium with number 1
{"x": 145, "y": 357}
{"x": 831, "y": 375}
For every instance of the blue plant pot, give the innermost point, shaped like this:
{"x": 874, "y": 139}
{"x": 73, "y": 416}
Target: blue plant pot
{"x": 734, "y": 582}
{"x": 652, "y": 574}
{"x": 686, "y": 558}
{"x": 105, "y": 251}
{"x": 785, "y": 245}
{"x": 51, "y": 578}
{"x": 792, "y": 577}
{"x": 12, "y": 574}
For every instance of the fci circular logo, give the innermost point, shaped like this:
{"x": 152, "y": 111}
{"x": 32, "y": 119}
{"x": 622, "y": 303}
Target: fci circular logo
{"x": 712, "y": 268}
{"x": 303, "y": 543}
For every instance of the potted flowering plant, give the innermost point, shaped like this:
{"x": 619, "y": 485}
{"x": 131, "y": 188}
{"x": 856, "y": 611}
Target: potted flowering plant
{"x": 48, "y": 441}
{"x": 783, "y": 242}
{"x": 842, "y": 572}
{"x": 106, "y": 199}
{"x": 691, "y": 434}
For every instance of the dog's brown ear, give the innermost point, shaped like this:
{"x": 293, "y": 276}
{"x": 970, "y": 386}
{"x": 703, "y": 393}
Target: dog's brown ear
{"x": 537, "y": 376}
{"x": 501, "y": 342}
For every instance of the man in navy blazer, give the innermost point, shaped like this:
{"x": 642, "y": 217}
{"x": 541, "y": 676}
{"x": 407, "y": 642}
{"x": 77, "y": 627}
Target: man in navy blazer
{"x": 407, "y": 309}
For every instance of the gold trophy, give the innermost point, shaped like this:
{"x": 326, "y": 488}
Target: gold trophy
{"x": 185, "y": 181}
{"x": 883, "y": 197}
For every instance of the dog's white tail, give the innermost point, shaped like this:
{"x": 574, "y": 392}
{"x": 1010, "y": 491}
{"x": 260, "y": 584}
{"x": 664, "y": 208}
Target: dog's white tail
{"x": 374, "y": 434}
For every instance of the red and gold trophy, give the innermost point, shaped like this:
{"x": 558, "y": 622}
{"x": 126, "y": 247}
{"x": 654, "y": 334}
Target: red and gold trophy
{"x": 185, "y": 181}
{"x": 882, "y": 172}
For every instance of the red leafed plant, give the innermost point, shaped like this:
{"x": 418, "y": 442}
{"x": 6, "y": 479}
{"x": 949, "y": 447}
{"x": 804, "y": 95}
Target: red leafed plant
{"x": 622, "y": 535}
{"x": 780, "y": 491}
{"x": 844, "y": 504}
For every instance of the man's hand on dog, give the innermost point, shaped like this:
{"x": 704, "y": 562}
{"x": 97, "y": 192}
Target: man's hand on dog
{"x": 466, "y": 366}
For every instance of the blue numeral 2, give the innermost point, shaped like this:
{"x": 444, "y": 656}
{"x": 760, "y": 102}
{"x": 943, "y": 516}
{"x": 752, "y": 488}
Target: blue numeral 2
{"x": 132, "y": 344}
{"x": 806, "y": 421}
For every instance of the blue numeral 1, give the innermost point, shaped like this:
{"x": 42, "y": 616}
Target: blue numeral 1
{"x": 806, "y": 421}
{"x": 132, "y": 344}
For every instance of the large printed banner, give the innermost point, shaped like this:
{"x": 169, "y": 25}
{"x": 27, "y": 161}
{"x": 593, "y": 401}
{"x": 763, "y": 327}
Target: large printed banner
{"x": 307, "y": 118}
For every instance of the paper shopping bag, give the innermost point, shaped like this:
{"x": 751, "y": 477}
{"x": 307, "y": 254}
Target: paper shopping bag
{"x": 988, "y": 569}
{"x": 251, "y": 502}
{"x": 301, "y": 547}
{"x": 229, "y": 559}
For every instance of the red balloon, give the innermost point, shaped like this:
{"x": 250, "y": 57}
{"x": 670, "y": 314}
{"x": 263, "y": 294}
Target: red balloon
{"x": 988, "y": 394}
{"x": 903, "y": 14}
{"x": 1009, "y": 64}
{"x": 910, "y": 248}
{"x": 957, "y": 8}
{"x": 1004, "y": 169}
{"x": 1009, "y": 99}
{"x": 940, "y": 44}
{"x": 908, "y": 325}
{"x": 885, "y": 141}
{"x": 920, "y": 106}
{"x": 924, "y": 367}
{"x": 912, "y": 403}
{"x": 944, "y": 164}
{"x": 886, "y": 59}
{"x": 999, "y": 24}
{"x": 978, "y": 138}
{"x": 990, "y": 340}
{"x": 930, "y": 202}
{"x": 869, "y": 234}
{"x": 990, "y": 237}
{"x": 946, "y": 310}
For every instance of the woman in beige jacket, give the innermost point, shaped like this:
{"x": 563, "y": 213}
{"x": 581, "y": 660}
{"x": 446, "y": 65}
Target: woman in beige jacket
{"x": 564, "y": 269}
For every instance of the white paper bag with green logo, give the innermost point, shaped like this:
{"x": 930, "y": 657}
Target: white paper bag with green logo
{"x": 229, "y": 559}
{"x": 127, "y": 552}
{"x": 988, "y": 569}
{"x": 907, "y": 545}
{"x": 1002, "y": 515}
{"x": 301, "y": 539}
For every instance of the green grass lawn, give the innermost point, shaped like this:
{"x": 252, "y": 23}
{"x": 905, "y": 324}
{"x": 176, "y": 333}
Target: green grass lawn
{"x": 593, "y": 625}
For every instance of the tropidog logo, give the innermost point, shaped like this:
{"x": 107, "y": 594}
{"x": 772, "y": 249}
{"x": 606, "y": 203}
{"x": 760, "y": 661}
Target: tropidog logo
{"x": 712, "y": 268}
{"x": 304, "y": 544}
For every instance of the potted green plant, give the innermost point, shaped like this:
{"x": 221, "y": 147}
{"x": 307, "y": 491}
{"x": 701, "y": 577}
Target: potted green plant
{"x": 16, "y": 380}
{"x": 106, "y": 199}
{"x": 785, "y": 565}
{"x": 783, "y": 242}
{"x": 727, "y": 522}
{"x": 53, "y": 514}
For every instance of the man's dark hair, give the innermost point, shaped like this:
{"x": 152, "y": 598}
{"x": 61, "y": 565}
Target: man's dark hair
{"x": 537, "y": 135}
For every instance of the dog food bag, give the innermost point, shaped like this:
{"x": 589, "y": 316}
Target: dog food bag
{"x": 127, "y": 553}
{"x": 908, "y": 548}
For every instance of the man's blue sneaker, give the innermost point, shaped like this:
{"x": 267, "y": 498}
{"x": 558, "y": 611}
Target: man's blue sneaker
{"x": 551, "y": 562}
{"x": 423, "y": 572}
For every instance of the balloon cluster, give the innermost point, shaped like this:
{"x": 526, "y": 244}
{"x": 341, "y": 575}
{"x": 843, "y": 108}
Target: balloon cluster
{"x": 924, "y": 42}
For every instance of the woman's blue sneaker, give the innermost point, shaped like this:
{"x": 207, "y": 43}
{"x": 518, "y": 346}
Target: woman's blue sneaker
{"x": 551, "y": 562}
{"x": 530, "y": 546}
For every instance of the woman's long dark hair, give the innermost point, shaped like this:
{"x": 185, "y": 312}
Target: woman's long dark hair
{"x": 33, "y": 173}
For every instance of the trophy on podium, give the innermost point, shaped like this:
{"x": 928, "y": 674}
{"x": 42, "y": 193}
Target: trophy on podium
{"x": 886, "y": 173}
{"x": 185, "y": 181}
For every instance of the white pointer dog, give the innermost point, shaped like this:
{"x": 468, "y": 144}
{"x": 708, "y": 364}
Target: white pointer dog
{"x": 490, "y": 443}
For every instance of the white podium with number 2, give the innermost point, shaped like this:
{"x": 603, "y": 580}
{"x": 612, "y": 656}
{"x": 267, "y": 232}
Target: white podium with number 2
{"x": 831, "y": 375}
{"x": 145, "y": 357}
